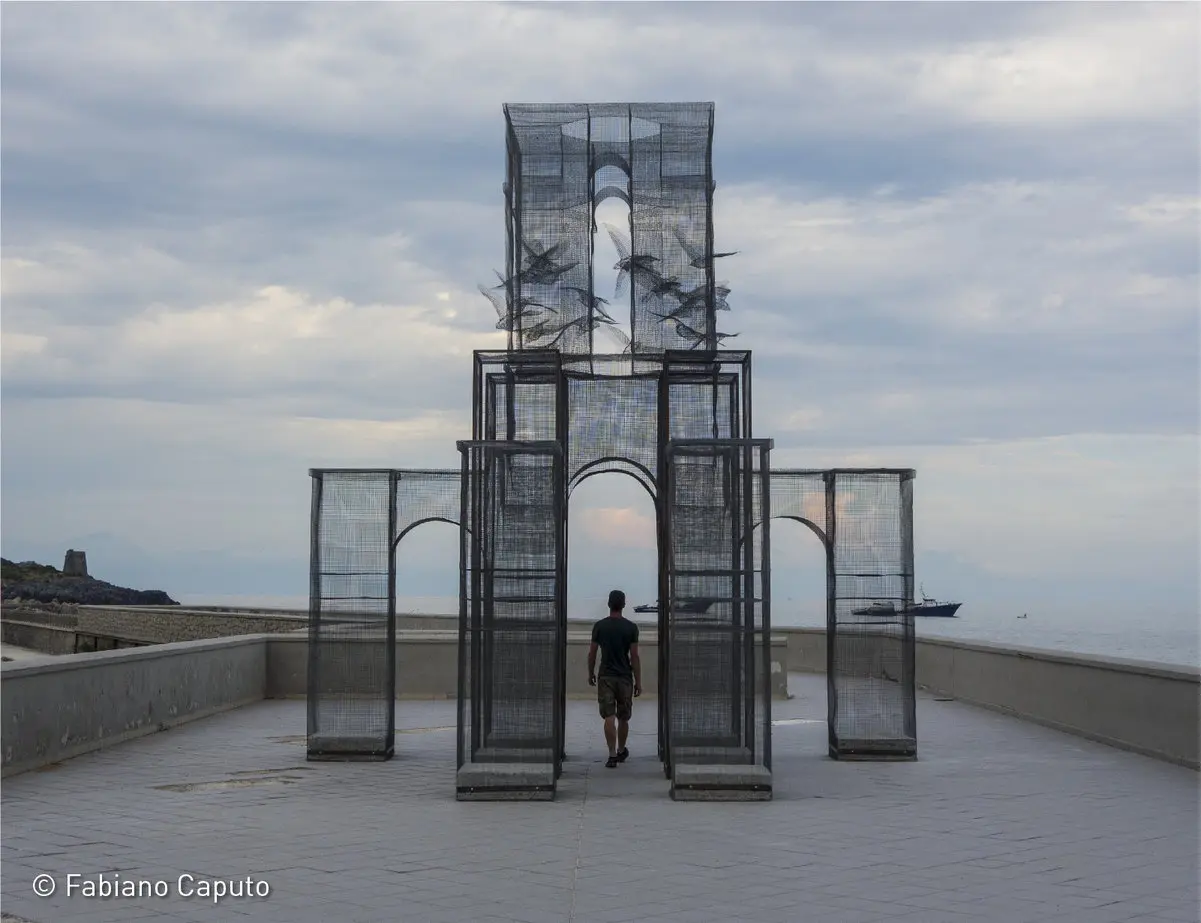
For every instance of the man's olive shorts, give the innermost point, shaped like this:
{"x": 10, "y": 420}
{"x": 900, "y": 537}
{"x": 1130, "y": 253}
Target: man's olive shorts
{"x": 615, "y": 694}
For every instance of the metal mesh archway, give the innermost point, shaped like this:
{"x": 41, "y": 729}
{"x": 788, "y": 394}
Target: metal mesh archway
{"x": 359, "y": 517}
{"x": 864, "y": 519}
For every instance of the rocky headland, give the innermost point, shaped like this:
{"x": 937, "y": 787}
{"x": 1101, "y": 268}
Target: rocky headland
{"x": 43, "y": 583}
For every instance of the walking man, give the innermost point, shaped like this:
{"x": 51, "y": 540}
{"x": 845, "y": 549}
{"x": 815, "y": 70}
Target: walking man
{"x": 620, "y": 679}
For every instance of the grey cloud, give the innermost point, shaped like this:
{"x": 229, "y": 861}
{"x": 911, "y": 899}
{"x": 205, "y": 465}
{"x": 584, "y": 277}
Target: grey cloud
{"x": 187, "y": 156}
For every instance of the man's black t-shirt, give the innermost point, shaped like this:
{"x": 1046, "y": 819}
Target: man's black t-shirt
{"x": 614, "y": 637}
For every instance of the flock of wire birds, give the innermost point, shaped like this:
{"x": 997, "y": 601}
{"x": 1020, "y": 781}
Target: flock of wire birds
{"x": 544, "y": 326}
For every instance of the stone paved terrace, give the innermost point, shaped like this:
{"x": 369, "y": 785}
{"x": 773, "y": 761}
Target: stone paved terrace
{"x": 999, "y": 820}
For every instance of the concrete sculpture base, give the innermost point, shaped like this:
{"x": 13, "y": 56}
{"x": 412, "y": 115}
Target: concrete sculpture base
{"x": 505, "y": 782}
{"x": 721, "y": 783}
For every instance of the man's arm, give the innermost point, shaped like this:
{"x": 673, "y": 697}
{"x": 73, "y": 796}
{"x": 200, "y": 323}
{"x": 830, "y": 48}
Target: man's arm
{"x": 592, "y": 663}
{"x": 636, "y": 663}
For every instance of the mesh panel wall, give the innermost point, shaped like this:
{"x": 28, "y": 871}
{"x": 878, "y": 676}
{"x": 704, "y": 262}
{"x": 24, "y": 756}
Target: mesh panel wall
{"x": 800, "y": 494}
{"x": 613, "y": 414}
{"x": 551, "y": 249}
{"x": 671, "y": 220}
{"x": 518, "y": 396}
{"x": 511, "y": 614}
{"x": 870, "y": 637}
{"x": 352, "y": 617}
{"x": 718, "y": 623}
{"x": 706, "y": 397}
{"x": 424, "y": 495}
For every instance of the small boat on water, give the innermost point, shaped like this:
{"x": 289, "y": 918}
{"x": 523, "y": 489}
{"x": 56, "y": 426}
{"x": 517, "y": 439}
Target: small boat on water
{"x": 927, "y": 608}
{"x": 933, "y": 609}
{"x": 699, "y": 605}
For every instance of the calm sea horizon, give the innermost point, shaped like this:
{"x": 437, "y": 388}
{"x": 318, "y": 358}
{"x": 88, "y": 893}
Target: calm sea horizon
{"x": 1173, "y": 638}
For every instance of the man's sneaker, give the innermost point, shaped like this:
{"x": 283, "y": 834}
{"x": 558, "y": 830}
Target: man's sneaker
{"x": 623, "y": 755}
{"x": 611, "y": 763}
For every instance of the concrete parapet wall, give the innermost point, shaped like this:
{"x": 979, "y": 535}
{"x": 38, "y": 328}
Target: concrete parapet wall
{"x": 36, "y": 636}
{"x": 806, "y": 648}
{"x": 59, "y": 708}
{"x": 170, "y": 623}
{"x": 55, "y": 709}
{"x": 1150, "y": 708}
{"x": 52, "y": 710}
{"x": 427, "y": 664}
{"x": 63, "y": 618}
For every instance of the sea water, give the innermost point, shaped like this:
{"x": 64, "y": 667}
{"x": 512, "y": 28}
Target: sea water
{"x": 1165, "y": 637}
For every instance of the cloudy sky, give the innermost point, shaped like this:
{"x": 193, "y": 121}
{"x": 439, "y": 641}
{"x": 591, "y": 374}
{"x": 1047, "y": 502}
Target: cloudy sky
{"x": 240, "y": 241}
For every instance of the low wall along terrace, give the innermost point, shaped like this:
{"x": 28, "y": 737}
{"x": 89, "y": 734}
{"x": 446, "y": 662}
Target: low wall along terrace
{"x": 1150, "y": 708}
{"x": 427, "y": 664}
{"x": 35, "y": 636}
{"x": 81, "y": 628}
{"x": 1153, "y": 709}
{"x": 170, "y": 624}
{"x": 61, "y": 707}
{"x": 58, "y": 708}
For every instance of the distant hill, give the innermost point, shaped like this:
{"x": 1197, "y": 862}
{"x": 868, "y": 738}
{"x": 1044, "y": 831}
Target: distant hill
{"x": 45, "y": 584}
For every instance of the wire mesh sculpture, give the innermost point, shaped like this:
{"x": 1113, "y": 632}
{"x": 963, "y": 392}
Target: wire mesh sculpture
{"x": 574, "y": 394}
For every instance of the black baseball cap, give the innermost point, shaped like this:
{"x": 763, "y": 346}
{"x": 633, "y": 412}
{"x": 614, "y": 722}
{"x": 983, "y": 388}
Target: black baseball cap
{"x": 617, "y": 600}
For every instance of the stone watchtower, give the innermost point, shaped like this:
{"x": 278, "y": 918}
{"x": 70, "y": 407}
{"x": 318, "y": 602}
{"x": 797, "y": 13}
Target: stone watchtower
{"x": 75, "y": 564}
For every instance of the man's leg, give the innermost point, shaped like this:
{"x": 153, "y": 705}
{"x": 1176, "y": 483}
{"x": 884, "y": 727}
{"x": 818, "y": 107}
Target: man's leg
{"x": 611, "y": 735}
{"x": 607, "y": 700}
{"x": 625, "y": 709}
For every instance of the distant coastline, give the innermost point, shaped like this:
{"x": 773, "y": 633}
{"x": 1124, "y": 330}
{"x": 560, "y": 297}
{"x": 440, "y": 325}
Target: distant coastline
{"x": 30, "y": 581}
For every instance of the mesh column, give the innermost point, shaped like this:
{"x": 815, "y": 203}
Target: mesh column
{"x": 718, "y": 619}
{"x": 871, "y": 695}
{"x": 352, "y": 616}
{"x": 702, "y": 396}
{"x": 511, "y": 620}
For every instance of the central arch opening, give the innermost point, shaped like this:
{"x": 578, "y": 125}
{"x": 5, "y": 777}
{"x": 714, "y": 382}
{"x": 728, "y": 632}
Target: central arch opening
{"x": 611, "y": 212}
{"x": 612, "y": 541}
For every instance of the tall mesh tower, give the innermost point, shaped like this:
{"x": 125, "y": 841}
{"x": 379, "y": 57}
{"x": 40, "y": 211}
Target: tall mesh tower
{"x": 563, "y": 161}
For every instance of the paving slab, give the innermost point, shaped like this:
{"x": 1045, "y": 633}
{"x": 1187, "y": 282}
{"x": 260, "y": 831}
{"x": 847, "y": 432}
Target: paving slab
{"x": 997, "y": 820}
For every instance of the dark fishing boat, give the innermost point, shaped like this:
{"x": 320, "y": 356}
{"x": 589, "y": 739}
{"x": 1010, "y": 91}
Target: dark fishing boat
{"x": 933, "y": 609}
{"x": 927, "y": 608}
{"x": 699, "y": 605}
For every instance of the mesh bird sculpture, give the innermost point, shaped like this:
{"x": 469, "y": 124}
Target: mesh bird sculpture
{"x": 638, "y": 266}
{"x": 698, "y": 257}
{"x": 516, "y": 315}
{"x": 541, "y": 267}
{"x": 596, "y": 308}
